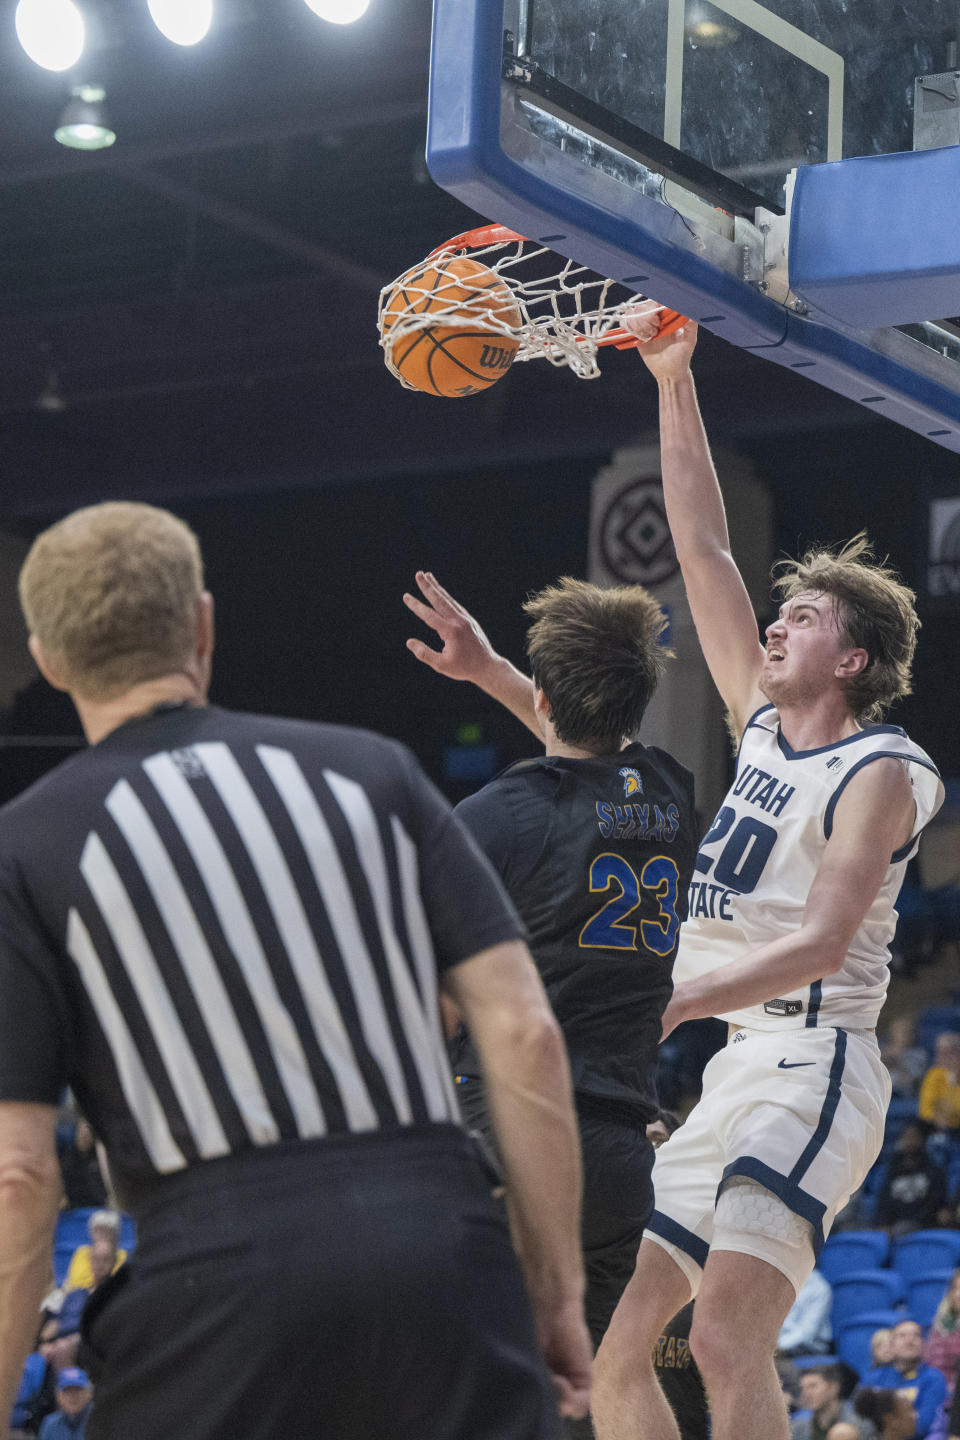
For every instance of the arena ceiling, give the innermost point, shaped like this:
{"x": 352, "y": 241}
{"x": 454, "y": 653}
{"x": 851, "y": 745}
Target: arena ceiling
{"x": 194, "y": 309}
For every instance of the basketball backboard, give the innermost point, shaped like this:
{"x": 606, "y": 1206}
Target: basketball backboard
{"x": 786, "y": 173}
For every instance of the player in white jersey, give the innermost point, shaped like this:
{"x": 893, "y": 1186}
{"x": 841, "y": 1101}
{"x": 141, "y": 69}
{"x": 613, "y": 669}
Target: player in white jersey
{"x": 791, "y": 915}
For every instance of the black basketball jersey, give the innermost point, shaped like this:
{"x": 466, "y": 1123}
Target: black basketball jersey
{"x": 597, "y": 855}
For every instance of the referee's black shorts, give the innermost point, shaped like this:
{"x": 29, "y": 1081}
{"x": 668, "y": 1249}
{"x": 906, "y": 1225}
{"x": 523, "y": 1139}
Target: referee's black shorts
{"x": 355, "y": 1289}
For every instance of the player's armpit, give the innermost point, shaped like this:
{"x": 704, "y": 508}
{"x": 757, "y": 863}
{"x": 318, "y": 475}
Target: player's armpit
{"x": 873, "y": 819}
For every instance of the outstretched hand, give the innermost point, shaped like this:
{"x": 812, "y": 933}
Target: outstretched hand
{"x": 668, "y": 356}
{"x": 466, "y": 653}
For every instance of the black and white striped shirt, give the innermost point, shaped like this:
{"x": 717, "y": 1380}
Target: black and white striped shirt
{"x": 225, "y": 931}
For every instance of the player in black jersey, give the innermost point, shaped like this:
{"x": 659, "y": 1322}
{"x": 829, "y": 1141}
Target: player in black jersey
{"x": 595, "y": 841}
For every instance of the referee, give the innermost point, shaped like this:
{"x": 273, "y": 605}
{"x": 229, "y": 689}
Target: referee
{"x": 227, "y": 934}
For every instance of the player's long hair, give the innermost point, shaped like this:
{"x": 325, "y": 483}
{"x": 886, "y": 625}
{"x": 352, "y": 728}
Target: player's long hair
{"x": 875, "y": 611}
{"x": 596, "y": 654}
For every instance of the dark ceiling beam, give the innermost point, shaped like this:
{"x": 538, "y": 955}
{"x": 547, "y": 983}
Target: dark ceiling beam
{"x": 237, "y": 217}
{"x": 335, "y": 121}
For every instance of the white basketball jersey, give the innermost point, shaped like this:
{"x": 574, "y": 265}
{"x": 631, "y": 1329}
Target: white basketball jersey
{"x": 760, "y": 857}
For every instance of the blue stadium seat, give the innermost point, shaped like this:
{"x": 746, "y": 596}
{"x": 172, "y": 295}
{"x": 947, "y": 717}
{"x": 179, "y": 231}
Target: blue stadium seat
{"x": 918, "y": 1254}
{"x": 924, "y": 1294}
{"x": 934, "y": 1020}
{"x": 857, "y": 1292}
{"x": 128, "y": 1234}
{"x": 953, "y": 1175}
{"x": 72, "y": 1226}
{"x": 807, "y": 1362}
{"x": 62, "y": 1255}
{"x": 853, "y": 1250}
{"x": 852, "y": 1340}
{"x": 902, "y": 1107}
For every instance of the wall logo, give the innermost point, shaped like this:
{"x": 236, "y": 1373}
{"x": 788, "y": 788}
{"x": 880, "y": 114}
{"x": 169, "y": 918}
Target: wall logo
{"x": 943, "y": 560}
{"x": 635, "y": 541}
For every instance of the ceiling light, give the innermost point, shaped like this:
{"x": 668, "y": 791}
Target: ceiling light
{"x": 51, "y": 32}
{"x": 339, "y": 12}
{"x": 83, "y": 124}
{"x": 185, "y": 22}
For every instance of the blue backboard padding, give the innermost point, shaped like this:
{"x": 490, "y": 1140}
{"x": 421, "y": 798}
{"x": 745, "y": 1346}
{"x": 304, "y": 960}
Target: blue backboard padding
{"x": 874, "y": 381}
{"x": 875, "y": 241}
{"x": 557, "y": 205}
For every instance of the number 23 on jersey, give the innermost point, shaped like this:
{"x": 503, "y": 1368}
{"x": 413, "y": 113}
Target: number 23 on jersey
{"x": 609, "y": 929}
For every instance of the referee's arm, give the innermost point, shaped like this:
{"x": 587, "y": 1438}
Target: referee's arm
{"x": 30, "y": 1190}
{"x": 502, "y": 1001}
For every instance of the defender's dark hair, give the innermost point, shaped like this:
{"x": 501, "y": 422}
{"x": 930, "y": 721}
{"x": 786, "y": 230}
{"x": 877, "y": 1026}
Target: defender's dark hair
{"x": 596, "y": 655}
{"x": 875, "y": 612}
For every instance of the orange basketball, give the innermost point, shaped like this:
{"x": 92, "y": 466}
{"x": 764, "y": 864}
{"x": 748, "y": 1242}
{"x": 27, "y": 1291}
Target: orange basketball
{"x": 462, "y": 351}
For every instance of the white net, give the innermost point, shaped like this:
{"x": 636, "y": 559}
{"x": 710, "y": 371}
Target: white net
{"x": 563, "y": 314}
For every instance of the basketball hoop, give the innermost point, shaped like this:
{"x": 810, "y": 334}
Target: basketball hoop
{"x": 566, "y": 314}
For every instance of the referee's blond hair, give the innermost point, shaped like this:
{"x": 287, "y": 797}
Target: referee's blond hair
{"x": 111, "y": 593}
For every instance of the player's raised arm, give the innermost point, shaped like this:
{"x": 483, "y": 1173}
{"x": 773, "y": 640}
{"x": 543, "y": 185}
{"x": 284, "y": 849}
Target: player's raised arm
{"x": 718, "y": 598}
{"x": 466, "y": 653}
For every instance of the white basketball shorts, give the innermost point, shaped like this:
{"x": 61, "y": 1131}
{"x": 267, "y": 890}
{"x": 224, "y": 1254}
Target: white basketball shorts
{"x": 800, "y": 1112}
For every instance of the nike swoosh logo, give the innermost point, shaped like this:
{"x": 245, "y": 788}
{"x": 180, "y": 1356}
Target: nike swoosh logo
{"x": 794, "y": 1065}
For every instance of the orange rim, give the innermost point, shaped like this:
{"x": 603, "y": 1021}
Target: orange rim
{"x": 670, "y": 320}
{"x": 475, "y": 239}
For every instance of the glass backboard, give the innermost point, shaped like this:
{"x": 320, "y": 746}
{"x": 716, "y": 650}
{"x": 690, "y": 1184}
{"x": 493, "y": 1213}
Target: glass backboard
{"x": 703, "y": 151}
{"x": 748, "y": 90}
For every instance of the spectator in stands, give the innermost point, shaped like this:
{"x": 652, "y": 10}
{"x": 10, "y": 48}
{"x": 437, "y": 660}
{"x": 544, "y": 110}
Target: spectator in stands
{"x": 905, "y": 1061}
{"x": 893, "y": 1415}
{"x": 923, "y": 1386}
{"x": 942, "y": 1347}
{"x": 103, "y": 1253}
{"x": 36, "y": 1396}
{"x": 820, "y": 1394}
{"x": 807, "y": 1329}
{"x": 74, "y": 1396}
{"x": 939, "y": 1101}
{"x": 82, "y": 1181}
{"x": 104, "y": 1226}
{"x": 843, "y": 1430}
{"x": 913, "y": 1195}
{"x": 881, "y": 1348}
{"x": 954, "y": 1426}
